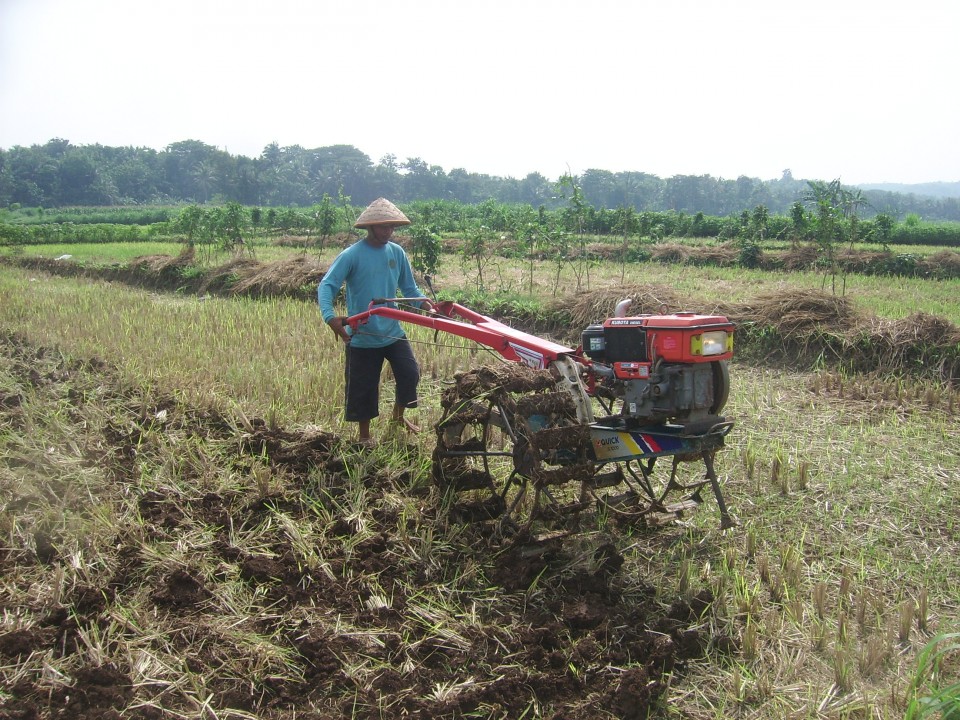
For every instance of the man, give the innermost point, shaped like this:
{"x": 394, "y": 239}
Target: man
{"x": 374, "y": 267}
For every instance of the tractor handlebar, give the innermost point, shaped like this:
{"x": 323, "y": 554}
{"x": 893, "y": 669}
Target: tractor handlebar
{"x": 450, "y": 317}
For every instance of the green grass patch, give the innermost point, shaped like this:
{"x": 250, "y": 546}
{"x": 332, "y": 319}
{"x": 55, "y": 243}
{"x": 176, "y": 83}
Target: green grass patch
{"x": 96, "y": 253}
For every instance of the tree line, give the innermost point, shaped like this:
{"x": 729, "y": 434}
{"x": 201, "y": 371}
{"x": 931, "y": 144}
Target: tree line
{"x": 828, "y": 215}
{"x": 59, "y": 174}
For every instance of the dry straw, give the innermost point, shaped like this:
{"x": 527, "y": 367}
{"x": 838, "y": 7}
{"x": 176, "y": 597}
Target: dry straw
{"x": 279, "y": 278}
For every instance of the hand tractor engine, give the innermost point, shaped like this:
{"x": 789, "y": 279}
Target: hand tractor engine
{"x": 663, "y": 368}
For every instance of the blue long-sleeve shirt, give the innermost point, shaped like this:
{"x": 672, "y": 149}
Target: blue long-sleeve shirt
{"x": 369, "y": 272}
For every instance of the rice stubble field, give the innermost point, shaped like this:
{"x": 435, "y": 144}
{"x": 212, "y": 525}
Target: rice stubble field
{"x": 188, "y": 532}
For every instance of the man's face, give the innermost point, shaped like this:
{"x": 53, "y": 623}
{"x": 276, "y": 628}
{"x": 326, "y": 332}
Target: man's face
{"x": 379, "y": 235}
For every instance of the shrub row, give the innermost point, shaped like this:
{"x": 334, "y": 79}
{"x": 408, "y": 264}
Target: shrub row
{"x": 57, "y": 233}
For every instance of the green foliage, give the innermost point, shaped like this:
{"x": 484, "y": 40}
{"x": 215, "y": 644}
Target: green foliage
{"x": 290, "y": 220}
{"x": 575, "y": 218}
{"x": 750, "y": 253}
{"x": 14, "y": 234}
{"x": 501, "y": 305}
{"x": 799, "y": 222}
{"x": 219, "y": 226}
{"x": 574, "y": 215}
{"x": 494, "y": 215}
{"x": 195, "y": 224}
{"x": 95, "y": 215}
{"x": 932, "y": 694}
{"x": 882, "y": 229}
{"x": 833, "y": 204}
{"x": 758, "y": 222}
{"x": 920, "y": 233}
{"x": 61, "y": 233}
{"x": 325, "y": 215}
{"x": 230, "y": 221}
{"x": 566, "y": 236}
{"x": 477, "y": 252}
{"x": 904, "y": 264}
{"x": 444, "y": 216}
{"x": 706, "y": 226}
{"x": 344, "y": 202}
{"x": 426, "y": 249}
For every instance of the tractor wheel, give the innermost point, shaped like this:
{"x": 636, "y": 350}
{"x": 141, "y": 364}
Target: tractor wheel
{"x": 508, "y": 437}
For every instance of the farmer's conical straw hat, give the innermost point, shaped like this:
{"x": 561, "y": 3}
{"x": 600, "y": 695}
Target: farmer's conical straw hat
{"x": 381, "y": 212}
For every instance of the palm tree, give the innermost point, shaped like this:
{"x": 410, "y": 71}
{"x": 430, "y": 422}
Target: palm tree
{"x": 204, "y": 176}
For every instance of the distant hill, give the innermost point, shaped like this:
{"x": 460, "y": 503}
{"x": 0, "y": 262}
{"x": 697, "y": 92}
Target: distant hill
{"x": 931, "y": 189}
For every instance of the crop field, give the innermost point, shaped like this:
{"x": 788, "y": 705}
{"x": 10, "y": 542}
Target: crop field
{"x": 187, "y": 530}
{"x": 890, "y": 297}
{"x": 107, "y": 253}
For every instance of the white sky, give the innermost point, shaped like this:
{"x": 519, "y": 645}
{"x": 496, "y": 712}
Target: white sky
{"x": 861, "y": 90}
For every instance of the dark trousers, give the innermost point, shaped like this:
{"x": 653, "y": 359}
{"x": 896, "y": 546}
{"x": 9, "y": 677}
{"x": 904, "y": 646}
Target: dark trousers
{"x": 362, "y": 373}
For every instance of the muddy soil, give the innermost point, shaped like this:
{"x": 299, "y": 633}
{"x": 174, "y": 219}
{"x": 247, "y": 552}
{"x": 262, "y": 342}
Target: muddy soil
{"x": 343, "y": 614}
